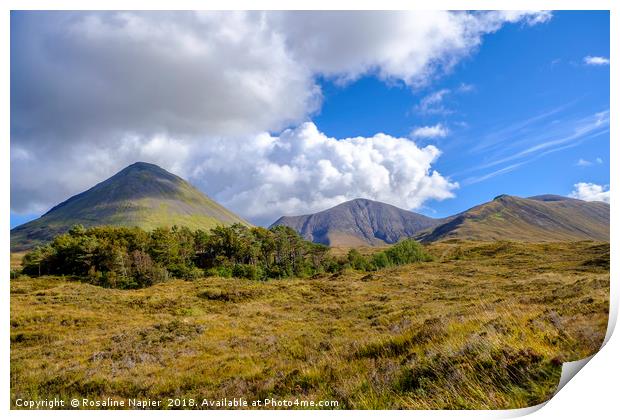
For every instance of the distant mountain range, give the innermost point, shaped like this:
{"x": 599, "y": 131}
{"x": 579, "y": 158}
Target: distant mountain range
{"x": 147, "y": 196}
{"x": 142, "y": 194}
{"x": 535, "y": 219}
{"x": 359, "y": 222}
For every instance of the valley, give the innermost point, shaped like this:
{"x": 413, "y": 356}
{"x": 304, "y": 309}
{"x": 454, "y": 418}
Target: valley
{"x": 482, "y": 325}
{"x": 144, "y": 288}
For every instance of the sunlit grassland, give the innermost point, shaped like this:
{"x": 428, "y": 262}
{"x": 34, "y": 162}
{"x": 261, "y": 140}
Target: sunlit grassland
{"x": 16, "y": 259}
{"x": 484, "y": 325}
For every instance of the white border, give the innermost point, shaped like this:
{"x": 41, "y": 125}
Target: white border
{"x": 593, "y": 393}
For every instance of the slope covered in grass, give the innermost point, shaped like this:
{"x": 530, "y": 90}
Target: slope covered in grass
{"x": 483, "y": 325}
{"x": 535, "y": 219}
{"x": 142, "y": 195}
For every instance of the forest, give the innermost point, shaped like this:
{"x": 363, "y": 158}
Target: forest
{"x": 129, "y": 257}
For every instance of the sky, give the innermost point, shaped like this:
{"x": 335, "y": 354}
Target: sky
{"x": 277, "y": 113}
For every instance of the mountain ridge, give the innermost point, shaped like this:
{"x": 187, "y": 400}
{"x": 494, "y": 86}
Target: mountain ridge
{"x": 142, "y": 194}
{"x": 147, "y": 196}
{"x": 358, "y": 222}
{"x": 540, "y": 218}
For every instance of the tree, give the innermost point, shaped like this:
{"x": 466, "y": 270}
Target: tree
{"x": 130, "y": 257}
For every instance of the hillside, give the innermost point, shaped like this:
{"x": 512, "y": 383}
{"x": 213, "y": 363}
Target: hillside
{"x": 396, "y": 338}
{"x": 359, "y": 222}
{"x": 535, "y": 219}
{"x": 142, "y": 195}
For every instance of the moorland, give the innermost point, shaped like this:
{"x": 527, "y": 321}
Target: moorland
{"x": 477, "y": 325}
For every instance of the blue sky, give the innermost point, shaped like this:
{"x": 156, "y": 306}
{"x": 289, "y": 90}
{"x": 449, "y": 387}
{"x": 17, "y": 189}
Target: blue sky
{"x": 526, "y": 86}
{"x": 499, "y": 103}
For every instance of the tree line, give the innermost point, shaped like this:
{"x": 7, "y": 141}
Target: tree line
{"x": 129, "y": 257}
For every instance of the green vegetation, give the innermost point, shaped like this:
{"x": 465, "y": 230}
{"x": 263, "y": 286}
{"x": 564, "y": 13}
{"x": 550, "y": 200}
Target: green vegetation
{"x": 481, "y": 326}
{"x": 130, "y": 258}
{"x": 406, "y": 251}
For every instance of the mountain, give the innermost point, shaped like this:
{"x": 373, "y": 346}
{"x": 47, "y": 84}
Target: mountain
{"x": 142, "y": 194}
{"x": 535, "y": 219}
{"x": 359, "y": 222}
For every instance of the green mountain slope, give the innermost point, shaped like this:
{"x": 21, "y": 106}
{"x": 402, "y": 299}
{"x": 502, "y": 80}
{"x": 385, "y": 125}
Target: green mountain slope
{"x": 142, "y": 195}
{"x": 535, "y": 219}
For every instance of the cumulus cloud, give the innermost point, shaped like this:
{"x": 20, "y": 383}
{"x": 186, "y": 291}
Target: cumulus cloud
{"x": 411, "y": 47}
{"x": 596, "y": 60}
{"x": 302, "y": 170}
{"x": 94, "y": 91}
{"x": 591, "y": 192}
{"x": 80, "y": 76}
{"x": 430, "y": 131}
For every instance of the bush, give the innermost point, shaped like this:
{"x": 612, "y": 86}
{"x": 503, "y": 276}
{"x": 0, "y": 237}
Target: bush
{"x": 186, "y": 272}
{"x": 247, "y": 271}
{"x": 357, "y": 260}
{"x": 407, "y": 251}
{"x": 380, "y": 260}
{"x": 221, "y": 271}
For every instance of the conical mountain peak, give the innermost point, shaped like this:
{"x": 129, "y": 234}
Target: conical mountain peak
{"x": 142, "y": 194}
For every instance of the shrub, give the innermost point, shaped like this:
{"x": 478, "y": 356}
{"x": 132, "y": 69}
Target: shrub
{"x": 357, "y": 260}
{"x": 380, "y": 260}
{"x": 247, "y": 271}
{"x": 407, "y": 251}
{"x": 221, "y": 271}
{"x": 186, "y": 272}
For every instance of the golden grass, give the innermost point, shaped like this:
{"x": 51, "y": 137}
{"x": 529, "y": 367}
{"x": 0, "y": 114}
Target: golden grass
{"x": 16, "y": 260}
{"x": 485, "y": 325}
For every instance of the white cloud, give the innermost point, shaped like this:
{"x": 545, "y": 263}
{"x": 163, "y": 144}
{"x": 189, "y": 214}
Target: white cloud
{"x": 430, "y": 131}
{"x": 412, "y": 46}
{"x": 568, "y": 134}
{"x": 596, "y": 60}
{"x": 591, "y": 192}
{"x": 151, "y": 72}
{"x": 537, "y": 143}
{"x": 433, "y": 103}
{"x": 302, "y": 170}
{"x": 95, "y": 91}
{"x": 466, "y": 88}
{"x": 583, "y": 162}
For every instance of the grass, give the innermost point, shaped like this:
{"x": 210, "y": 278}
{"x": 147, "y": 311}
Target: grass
{"x": 16, "y": 260}
{"x": 484, "y": 325}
